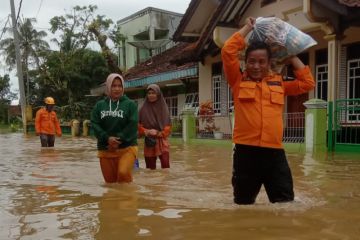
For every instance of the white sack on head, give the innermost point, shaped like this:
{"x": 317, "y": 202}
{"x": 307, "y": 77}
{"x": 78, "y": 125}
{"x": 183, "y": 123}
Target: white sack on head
{"x": 284, "y": 39}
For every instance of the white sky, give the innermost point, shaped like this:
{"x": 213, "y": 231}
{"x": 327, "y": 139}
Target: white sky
{"x": 44, "y": 10}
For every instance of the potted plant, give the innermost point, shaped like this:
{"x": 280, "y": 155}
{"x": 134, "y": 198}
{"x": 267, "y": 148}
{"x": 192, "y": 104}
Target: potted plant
{"x": 206, "y": 115}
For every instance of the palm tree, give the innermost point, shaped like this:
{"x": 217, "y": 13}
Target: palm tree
{"x": 32, "y": 46}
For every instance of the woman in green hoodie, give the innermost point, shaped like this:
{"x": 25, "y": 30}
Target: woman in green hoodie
{"x": 115, "y": 121}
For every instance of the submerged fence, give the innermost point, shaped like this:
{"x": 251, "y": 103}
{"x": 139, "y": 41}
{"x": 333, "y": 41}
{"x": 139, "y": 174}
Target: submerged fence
{"x": 294, "y": 127}
{"x": 220, "y": 127}
{"x": 176, "y": 129}
{"x": 347, "y": 121}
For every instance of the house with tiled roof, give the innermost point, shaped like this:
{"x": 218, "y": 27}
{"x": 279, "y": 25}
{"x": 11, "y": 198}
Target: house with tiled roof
{"x": 146, "y": 56}
{"x": 335, "y": 60}
{"x": 178, "y": 82}
{"x": 147, "y": 33}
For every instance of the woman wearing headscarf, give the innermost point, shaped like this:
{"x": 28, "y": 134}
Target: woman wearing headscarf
{"x": 155, "y": 125}
{"x": 115, "y": 120}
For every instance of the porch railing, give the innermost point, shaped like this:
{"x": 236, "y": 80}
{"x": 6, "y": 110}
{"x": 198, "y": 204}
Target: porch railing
{"x": 176, "y": 130}
{"x": 220, "y": 127}
{"x": 294, "y": 127}
{"x": 347, "y": 121}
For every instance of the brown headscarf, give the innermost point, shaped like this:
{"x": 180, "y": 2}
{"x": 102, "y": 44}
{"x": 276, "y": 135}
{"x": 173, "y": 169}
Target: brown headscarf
{"x": 109, "y": 81}
{"x": 154, "y": 115}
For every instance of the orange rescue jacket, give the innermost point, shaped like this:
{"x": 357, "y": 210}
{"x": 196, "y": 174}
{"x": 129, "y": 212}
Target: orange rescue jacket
{"x": 47, "y": 122}
{"x": 259, "y": 105}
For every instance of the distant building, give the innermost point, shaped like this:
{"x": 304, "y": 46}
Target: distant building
{"x": 147, "y": 33}
{"x": 146, "y": 57}
{"x": 14, "y": 111}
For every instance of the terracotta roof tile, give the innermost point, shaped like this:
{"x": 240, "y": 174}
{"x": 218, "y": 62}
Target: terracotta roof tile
{"x": 160, "y": 63}
{"x": 350, "y": 3}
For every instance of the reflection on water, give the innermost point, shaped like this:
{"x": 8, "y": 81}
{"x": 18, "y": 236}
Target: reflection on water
{"x": 118, "y": 213}
{"x": 59, "y": 194}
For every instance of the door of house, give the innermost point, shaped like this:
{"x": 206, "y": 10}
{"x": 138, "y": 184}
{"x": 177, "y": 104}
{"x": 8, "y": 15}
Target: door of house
{"x": 295, "y": 103}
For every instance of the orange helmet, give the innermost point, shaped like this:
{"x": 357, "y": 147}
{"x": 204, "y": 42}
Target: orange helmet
{"x": 49, "y": 100}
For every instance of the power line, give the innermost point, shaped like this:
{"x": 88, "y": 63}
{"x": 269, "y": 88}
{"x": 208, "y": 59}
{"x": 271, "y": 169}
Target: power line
{"x": 19, "y": 65}
{"x": 39, "y": 9}
{"x": 18, "y": 13}
{"x": 4, "y": 29}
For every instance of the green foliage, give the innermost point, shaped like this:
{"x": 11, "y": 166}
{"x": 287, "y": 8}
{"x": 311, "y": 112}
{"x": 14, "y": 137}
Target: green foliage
{"x": 5, "y": 97}
{"x": 5, "y": 93}
{"x": 176, "y": 125}
{"x": 14, "y": 127}
{"x": 31, "y": 44}
{"x": 32, "y": 50}
{"x": 116, "y": 36}
{"x": 70, "y": 77}
{"x": 73, "y": 28}
{"x": 15, "y": 123}
{"x": 206, "y": 114}
{"x": 70, "y": 73}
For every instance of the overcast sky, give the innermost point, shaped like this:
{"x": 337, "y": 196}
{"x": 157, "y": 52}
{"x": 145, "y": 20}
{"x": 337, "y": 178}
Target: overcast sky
{"x": 44, "y": 10}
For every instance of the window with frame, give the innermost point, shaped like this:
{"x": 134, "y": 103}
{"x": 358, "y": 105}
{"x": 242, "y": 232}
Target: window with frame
{"x": 353, "y": 90}
{"x": 216, "y": 80}
{"x": 216, "y": 72}
{"x": 191, "y": 100}
{"x": 353, "y": 82}
{"x": 354, "y": 78}
{"x": 322, "y": 81}
{"x": 172, "y": 103}
{"x": 321, "y": 74}
{"x": 353, "y": 66}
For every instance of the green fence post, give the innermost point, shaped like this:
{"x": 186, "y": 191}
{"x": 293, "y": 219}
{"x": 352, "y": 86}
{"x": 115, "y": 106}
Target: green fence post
{"x": 188, "y": 125}
{"x": 330, "y": 143}
{"x": 315, "y": 129}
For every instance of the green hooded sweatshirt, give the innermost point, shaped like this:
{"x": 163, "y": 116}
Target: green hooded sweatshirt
{"x": 116, "y": 119}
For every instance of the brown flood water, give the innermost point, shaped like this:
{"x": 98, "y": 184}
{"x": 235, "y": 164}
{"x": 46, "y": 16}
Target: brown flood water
{"x": 60, "y": 194}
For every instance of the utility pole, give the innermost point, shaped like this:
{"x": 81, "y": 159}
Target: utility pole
{"x": 19, "y": 66}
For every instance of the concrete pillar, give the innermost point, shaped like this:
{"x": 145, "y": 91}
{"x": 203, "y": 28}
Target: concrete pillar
{"x": 333, "y": 65}
{"x": 75, "y": 128}
{"x": 333, "y": 77}
{"x": 86, "y": 125}
{"x": 315, "y": 124}
{"x": 188, "y": 125}
{"x": 29, "y": 114}
{"x": 232, "y": 121}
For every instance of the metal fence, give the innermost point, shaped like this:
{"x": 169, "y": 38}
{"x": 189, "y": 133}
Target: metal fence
{"x": 347, "y": 121}
{"x": 220, "y": 127}
{"x": 294, "y": 127}
{"x": 176, "y": 129}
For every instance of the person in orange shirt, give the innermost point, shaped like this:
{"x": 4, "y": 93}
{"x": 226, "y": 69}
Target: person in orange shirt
{"x": 258, "y": 93}
{"x": 155, "y": 125}
{"x": 47, "y": 124}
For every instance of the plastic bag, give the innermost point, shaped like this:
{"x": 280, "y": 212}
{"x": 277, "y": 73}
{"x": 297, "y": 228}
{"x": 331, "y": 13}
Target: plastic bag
{"x": 284, "y": 39}
{"x": 150, "y": 142}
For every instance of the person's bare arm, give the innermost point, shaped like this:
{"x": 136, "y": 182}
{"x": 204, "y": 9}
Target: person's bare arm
{"x": 296, "y": 63}
{"x": 249, "y": 25}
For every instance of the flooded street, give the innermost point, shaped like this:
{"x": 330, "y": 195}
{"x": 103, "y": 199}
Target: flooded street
{"x": 60, "y": 194}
